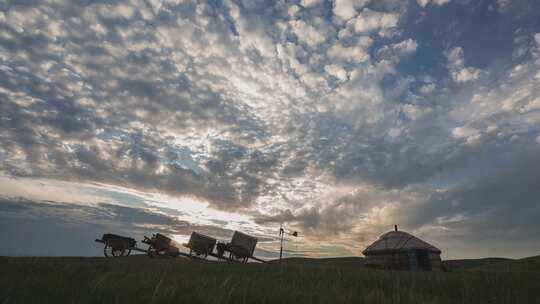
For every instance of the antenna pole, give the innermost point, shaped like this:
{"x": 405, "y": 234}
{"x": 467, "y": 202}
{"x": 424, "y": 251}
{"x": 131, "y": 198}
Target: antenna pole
{"x": 281, "y": 233}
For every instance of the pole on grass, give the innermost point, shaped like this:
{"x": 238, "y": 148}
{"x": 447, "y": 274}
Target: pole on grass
{"x": 282, "y": 232}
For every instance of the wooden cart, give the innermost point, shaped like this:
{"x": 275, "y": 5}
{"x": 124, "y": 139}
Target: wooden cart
{"x": 241, "y": 247}
{"x": 200, "y": 245}
{"x": 118, "y": 246}
{"x": 160, "y": 245}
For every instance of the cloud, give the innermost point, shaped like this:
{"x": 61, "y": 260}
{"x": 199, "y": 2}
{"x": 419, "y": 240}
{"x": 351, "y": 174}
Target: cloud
{"x": 336, "y": 71}
{"x": 307, "y": 33}
{"x": 398, "y": 50}
{"x": 363, "y": 209}
{"x": 488, "y": 205}
{"x": 352, "y": 54}
{"x": 369, "y": 20}
{"x": 424, "y": 3}
{"x": 503, "y": 5}
{"x": 456, "y": 66}
{"x": 308, "y": 3}
{"x": 463, "y": 132}
{"x": 346, "y": 9}
{"x": 414, "y": 112}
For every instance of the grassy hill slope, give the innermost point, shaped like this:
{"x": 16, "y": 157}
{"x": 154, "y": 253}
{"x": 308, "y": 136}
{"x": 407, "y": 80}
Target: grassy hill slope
{"x": 342, "y": 262}
{"x": 531, "y": 264}
{"x": 466, "y": 264}
{"x": 145, "y": 280}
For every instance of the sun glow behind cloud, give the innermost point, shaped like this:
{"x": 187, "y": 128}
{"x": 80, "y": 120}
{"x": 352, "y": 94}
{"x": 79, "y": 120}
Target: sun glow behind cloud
{"x": 186, "y": 209}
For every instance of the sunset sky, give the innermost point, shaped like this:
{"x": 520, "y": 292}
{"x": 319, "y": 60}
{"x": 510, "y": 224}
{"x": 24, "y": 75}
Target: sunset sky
{"x": 338, "y": 119}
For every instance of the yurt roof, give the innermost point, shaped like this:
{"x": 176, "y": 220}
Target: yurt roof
{"x": 398, "y": 241}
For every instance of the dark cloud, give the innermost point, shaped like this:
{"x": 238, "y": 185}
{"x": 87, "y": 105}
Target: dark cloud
{"x": 501, "y": 205}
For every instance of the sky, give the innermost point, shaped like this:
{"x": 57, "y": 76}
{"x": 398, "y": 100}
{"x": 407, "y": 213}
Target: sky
{"x": 337, "y": 119}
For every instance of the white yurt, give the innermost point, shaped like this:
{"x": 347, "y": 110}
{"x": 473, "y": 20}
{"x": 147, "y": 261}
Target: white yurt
{"x": 399, "y": 250}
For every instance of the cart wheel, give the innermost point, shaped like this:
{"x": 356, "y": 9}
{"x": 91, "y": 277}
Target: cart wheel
{"x": 201, "y": 255}
{"x": 152, "y": 252}
{"x": 110, "y": 251}
{"x": 233, "y": 257}
{"x": 107, "y": 251}
{"x": 118, "y": 252}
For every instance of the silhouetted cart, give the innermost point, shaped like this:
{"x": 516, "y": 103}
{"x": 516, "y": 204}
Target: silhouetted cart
{"x": 160, "y": 245}
{"x": 241, "y": 247}
{"x": 118, "y": 246}
{"x": 200, "y": 245}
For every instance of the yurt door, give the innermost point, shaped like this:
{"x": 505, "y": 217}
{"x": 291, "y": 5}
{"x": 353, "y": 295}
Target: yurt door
{"x": 423, "y": 260}
{"x": 419, "y": 260}
{"x": 413, "y": 260}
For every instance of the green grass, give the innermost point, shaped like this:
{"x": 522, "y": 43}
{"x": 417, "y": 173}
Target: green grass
{"x": 144, "y": 280}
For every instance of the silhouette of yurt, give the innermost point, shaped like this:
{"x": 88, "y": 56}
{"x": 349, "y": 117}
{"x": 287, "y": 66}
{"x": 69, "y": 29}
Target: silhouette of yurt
{"x": 399, "y": 250}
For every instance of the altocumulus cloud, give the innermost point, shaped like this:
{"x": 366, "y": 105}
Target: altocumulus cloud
{"x": 339, "y": 118}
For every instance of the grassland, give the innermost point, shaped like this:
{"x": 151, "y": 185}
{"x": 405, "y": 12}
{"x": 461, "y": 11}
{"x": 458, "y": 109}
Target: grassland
{"x": 531, "y": 264}
{"x": 457, "y": 265}
{"x": 144, "y": 280}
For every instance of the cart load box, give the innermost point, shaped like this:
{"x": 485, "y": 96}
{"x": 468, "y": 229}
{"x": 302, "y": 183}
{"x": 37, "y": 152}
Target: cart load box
{"x": 201, "y": 244}
{"x": 110, "y": 238}
{"x": 162, "y": 240}
{"x": 116, "y": 245}
{"x": 173, "y": 251}
{"x": 242, "y": 244}
{"x": 160, "y": 245}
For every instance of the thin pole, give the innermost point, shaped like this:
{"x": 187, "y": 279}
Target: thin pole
{"x": 281, "y": 246}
